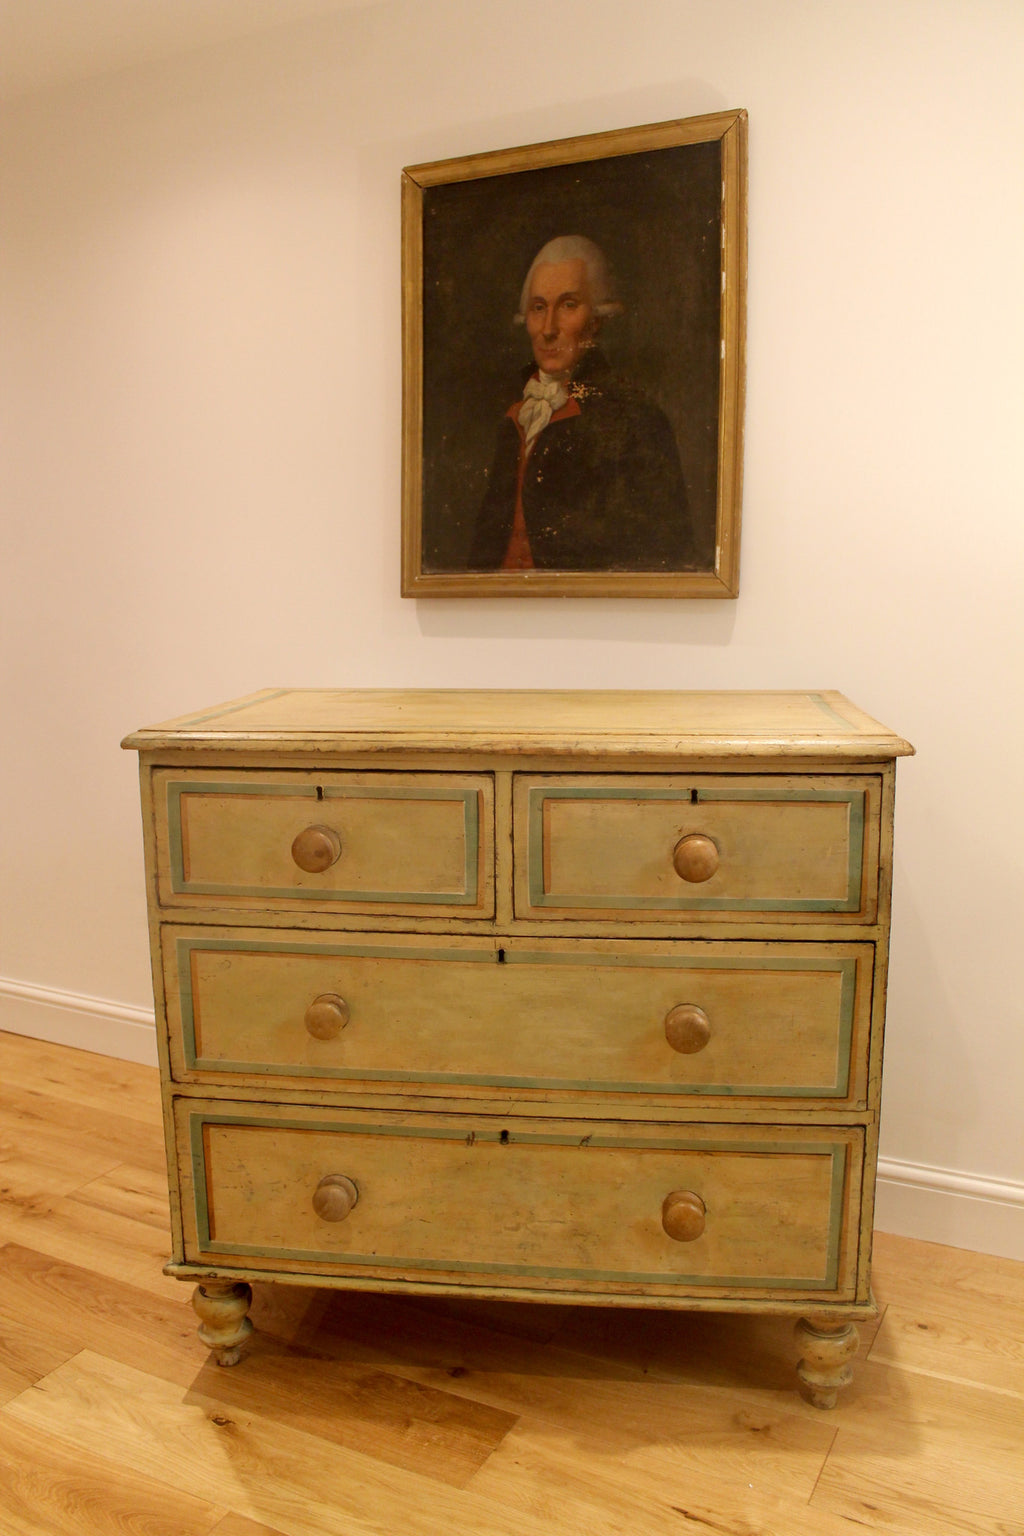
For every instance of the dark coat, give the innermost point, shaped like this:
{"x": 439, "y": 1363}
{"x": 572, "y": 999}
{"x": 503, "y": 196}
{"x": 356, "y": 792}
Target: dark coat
{"x": 603, "y": 489}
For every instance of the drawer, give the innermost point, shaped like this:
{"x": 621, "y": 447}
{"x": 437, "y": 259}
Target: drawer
{"x": 544, "y": 1204}
{"x": 419, "y": 843}
{"x": 775, "y": 1021}
{"x": 802, "y": 848}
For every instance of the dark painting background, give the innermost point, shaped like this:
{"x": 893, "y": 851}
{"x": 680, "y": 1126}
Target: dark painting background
{"x": 657, "y": 217}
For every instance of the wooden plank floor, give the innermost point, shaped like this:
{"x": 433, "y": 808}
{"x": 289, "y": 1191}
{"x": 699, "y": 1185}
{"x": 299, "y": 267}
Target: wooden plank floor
{"x": 414, "y": 1417}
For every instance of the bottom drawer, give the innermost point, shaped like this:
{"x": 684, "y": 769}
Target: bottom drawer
{"x": 537, "y": 1205}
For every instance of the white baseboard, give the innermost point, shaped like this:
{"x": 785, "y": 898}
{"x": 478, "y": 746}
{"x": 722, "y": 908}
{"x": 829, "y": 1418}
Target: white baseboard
{"x": 67, "y": 1018}
{"x": 936, "y": 1204}
{"x": 943, "y": 1206}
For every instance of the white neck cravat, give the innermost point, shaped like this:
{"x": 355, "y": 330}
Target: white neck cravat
{"x": 542, "y": 397}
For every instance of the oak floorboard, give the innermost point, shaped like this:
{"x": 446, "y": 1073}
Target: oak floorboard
{"x": 52, "y": 1309}
{"x": 254, "y": 1465}
{"x": 138, "y": 1193}
{"x": 51, "y": 1488}
{"x": 909, "y": 1441}
{"x": 706, "y": 1441}
{"x": 941, "y": 1341}
{"x": 81, "y": 1077}
{"x": 399, "y": 1422}
{"x": 241, "y": 1525}
{"x": 581, "y": 1394}
{"x": 907, "y": 1270}
{"x": 522, "y": 1319}
{"x": 865, "y": 1498}
{"x": 536, "y": 1466}
{"x": 947, "y": 1313}
{"x": 12, "y": 1380}
{"x": 31, "y": 1165}
{"x": 100, "y": 1240}
{"x": 740, "y": 1351}
{"x": 28, "y": 1347}
{"x": 61, "y": 1128}
{"x": 62, "y": 1308}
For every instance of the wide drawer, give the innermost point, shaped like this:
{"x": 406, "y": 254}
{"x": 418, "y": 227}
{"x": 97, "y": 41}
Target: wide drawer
{"x": 786, "y": 1021}
{"x": 571, "y": 1206}
{"x": 419, "y": 843}
{"x": 803, "y": 848}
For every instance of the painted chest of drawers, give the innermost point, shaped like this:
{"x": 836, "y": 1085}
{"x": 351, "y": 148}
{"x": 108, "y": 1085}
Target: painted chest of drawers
{"x": 556, "y": 996}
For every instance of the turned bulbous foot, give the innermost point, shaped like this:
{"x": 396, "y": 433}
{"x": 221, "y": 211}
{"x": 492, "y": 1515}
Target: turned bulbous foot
{"x": 828, "y": 1347}
{"x": 221, "y": 1306}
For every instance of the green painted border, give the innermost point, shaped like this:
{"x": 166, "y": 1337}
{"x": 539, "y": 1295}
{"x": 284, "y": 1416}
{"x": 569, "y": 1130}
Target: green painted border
{"x": 854, "y": 798}
{"x": 836, "y": 1151}
{"x": 833, "y": 714}
{"x": 846, "y": 967}
{"x": 189, "y": 721}
{"x": 471, "y": 823}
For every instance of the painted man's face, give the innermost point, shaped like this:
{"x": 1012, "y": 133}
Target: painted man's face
{"x": 560, "y": 315}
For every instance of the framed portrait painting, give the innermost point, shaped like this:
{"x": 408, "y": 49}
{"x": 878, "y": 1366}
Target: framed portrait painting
{"x": 573, "y": 329}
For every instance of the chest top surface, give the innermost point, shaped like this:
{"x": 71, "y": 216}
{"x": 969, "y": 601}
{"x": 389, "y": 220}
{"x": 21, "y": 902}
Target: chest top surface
{"x": 820, "y": 724}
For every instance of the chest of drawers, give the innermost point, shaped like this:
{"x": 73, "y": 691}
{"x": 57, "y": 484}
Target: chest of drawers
{"x": 572, "y": 996}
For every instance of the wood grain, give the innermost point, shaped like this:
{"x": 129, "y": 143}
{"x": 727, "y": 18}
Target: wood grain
{"x": 729, "y": 1490}
{"x": 49, "y": 1488}
{"x": 53, "y": 1309}
{"x": 264, "y": 1468}
{"x": 241, "y": 1525}
{"x": 79, "y": 1078}
{"x": 934, "y": 1449}
{"x": 73, "y": 1138}
{"x": 100, "y": 1240}
{"x": 136, "y": 1193}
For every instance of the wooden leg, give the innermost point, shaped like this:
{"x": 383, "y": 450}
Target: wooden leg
{"x": 221, "y": 1306}
{"x": 828, "y": 1344}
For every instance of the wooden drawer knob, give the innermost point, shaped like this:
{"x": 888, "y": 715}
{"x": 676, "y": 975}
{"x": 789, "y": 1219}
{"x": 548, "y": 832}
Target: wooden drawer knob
{"x": 682, "y": 1215}
{"x": 334, "y": 1197}
{"x": 695, "y": 858}
{"x": 316, "y": 849}
{"x": 326, "y": 1016}
{"x": 687, "y": 1028}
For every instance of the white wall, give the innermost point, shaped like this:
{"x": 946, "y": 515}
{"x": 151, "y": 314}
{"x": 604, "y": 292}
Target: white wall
{"x": 200, "y": 373}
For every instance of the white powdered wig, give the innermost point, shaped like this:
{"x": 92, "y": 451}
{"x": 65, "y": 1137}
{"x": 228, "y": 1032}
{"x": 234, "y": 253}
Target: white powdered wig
{"x": 576, "y": 248}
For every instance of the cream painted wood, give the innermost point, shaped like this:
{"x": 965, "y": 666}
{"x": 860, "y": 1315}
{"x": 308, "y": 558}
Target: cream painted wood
{"x": 783, "y": 1021}
{"x": 828, "y": 1346}
{"x": 598, "y": 844}
{"x": 413, "y": 843}
{"x": 224, "y": 1325}
{"x": 636, "y": 724}
{"x": 636, "y": 1101}
{"x": 540, "y": 1201}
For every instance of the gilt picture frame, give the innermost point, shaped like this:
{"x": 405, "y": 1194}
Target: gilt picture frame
{"x": 573, "y": 366}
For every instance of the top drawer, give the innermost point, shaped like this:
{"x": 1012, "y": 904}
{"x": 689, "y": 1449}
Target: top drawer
{"x": 801, "y": 848}
{"x": 415, "y": 843}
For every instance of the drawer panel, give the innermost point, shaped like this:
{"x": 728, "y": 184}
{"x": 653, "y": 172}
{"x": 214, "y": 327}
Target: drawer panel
{"x": 389, "y": 842}
{"x": 557, "y": 1203}
{"x": 786, "y": 1021}
{"x": 614, "y": 846}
